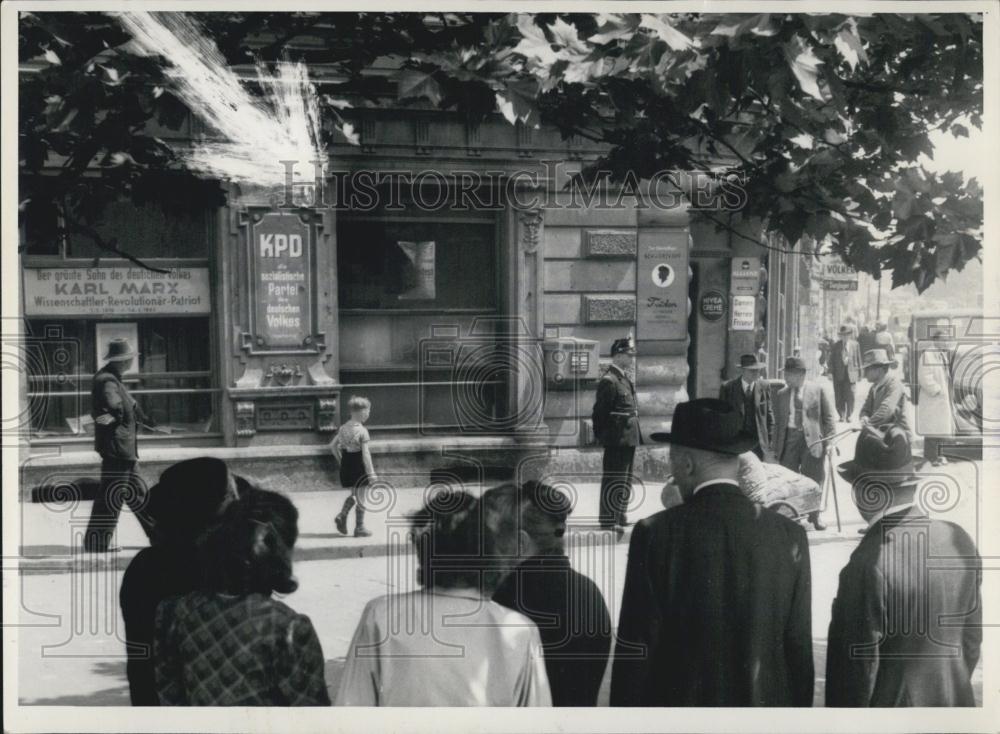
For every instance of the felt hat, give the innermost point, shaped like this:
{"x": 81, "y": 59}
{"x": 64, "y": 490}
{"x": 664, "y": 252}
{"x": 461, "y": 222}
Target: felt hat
{"x": 845, "y": 329}
{"x": 877, "y": 358}
{"x": 190, "y": 495}
{"x": 119, "y": 350}
{"x": 794, "y": 364}
{"x": 885, "y": 456}
{"x": 708, "y": 424}
{"x": 750, "y": 362}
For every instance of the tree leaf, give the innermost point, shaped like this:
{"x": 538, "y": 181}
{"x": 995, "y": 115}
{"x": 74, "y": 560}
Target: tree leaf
{"x": 805, "y": 66}
{"x": 661, "y": 27}
{"x": 848, "y": 43}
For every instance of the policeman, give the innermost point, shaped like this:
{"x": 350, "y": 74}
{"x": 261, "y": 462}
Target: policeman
{"x": 616, "y": 427}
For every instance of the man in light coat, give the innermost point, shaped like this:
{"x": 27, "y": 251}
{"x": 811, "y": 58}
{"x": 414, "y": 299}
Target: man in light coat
{"x": 803, "y": 417}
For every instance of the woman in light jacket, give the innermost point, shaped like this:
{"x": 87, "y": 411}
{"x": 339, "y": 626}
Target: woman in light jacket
{"x": 935, "y": 415}
{"x": 446, "y": 644}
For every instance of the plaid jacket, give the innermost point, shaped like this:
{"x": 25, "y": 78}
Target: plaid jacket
{"x": 218, "y": 650}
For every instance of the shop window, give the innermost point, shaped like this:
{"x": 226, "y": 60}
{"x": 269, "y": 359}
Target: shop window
{"x": 171, "y": 379}
{"x": 146, "y": 231}
{"x": 437, "y": 266}
{"x": 400, "y": 280}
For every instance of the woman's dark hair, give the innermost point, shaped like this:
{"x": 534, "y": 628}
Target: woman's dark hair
{"x": 451, "y": 544}
{"x": 251, "y": 548}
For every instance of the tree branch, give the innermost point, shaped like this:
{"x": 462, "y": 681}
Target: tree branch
{"x": 739, "y": 234}
{"x": 72, "y": 226}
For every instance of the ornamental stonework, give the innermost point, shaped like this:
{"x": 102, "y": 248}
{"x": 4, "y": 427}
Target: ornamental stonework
{"x": 606, "y": 243}
{"x": 609, "y": 309}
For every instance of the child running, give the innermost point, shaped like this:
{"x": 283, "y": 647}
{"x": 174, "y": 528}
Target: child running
{"x": 350, "y": 446}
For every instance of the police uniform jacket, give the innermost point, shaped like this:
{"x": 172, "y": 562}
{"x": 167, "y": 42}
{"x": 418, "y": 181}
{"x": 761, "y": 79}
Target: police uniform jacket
{"x": 616, "y": 412}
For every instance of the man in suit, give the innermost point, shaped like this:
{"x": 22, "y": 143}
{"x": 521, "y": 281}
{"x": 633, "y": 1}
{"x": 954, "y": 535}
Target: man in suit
{"x": 885, "y": 404}
{"x": 845, "y": 368}
{"x": 616, "y": 427}
{"x": 717, "y": 603}
{"x": 803, "y": 416}
{"x": 906, "y": 627}
{"x": 116, "y": 419}
{"x": 750, "y": 397}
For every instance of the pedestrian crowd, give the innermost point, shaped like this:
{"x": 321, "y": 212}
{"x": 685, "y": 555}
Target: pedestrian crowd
{"x": 717, "y": 601}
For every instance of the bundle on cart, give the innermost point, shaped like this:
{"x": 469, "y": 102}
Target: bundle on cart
{"x": 778, "y": 488}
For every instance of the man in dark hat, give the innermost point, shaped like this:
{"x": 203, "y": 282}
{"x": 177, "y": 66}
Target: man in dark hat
{"x": 717, "y": 603}
{"x": 616, "y": 427}
{"x": 885, "y": 404}
{"x": 906, "y": 627}
{"x": 116, "y": 419}
{"x": 845, "y": 369}
{"x": 803, "y": 417}
{"x": 188, "y": 499}
{"x": 751, "y": 399}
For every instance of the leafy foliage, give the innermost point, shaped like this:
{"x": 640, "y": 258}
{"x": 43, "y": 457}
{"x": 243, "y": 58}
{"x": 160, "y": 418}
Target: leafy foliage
{"x": 823, "y": 117}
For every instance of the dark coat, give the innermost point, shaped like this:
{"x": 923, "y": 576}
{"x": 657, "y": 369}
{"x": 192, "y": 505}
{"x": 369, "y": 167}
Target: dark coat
{"x": 716, "y": 609}
{"x": 572, "y": 619}
{"x": 118, "y": 440}
{"x": 732, "y": 392}
{"x": 851, "y": 371}
{"x": 616, "y": 412}
{"x": 156, "y": 573}
{"x": 893, "y": 645}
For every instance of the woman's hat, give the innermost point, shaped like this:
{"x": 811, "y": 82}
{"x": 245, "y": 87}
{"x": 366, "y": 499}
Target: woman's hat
{"x": 886, "y": 456}
{"x": 708, "y": 424}
{"x": 119, "y": 350}
{"x": 794, "y": 364}
{"x": 877, "y": 358}
{"x": 190, "y": 495}
{"x": 750, "y": 362}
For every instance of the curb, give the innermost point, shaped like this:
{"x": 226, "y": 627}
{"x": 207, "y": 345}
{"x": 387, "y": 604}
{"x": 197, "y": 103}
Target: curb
{"x": 78, "y": 560}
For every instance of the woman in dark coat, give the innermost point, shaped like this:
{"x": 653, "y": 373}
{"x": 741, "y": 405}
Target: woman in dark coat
{"x": 189, "y": 498}
{"x": 567, "y": 607}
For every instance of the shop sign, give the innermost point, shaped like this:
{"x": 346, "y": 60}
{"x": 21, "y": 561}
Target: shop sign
{"x": 840, "y": 285}
{"x": 118, "y": 291}
{"x": 712, "y": 305}
{"x": 744, "y": 309}
{"x": 281, "y": 281}
{"x": 744, "y": 279}
{"x": 662, "y": 288}
{"x": 836, "y": 276}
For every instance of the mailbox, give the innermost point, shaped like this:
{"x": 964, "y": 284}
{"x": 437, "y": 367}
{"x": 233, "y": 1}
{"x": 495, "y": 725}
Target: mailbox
{"x": 570, "y": 361}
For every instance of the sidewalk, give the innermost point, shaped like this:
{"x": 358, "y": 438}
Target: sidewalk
{"x": 51, "y": 535}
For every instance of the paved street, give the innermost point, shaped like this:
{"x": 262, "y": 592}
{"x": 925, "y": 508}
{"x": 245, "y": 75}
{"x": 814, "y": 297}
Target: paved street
{"x": 71, "y": 654}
